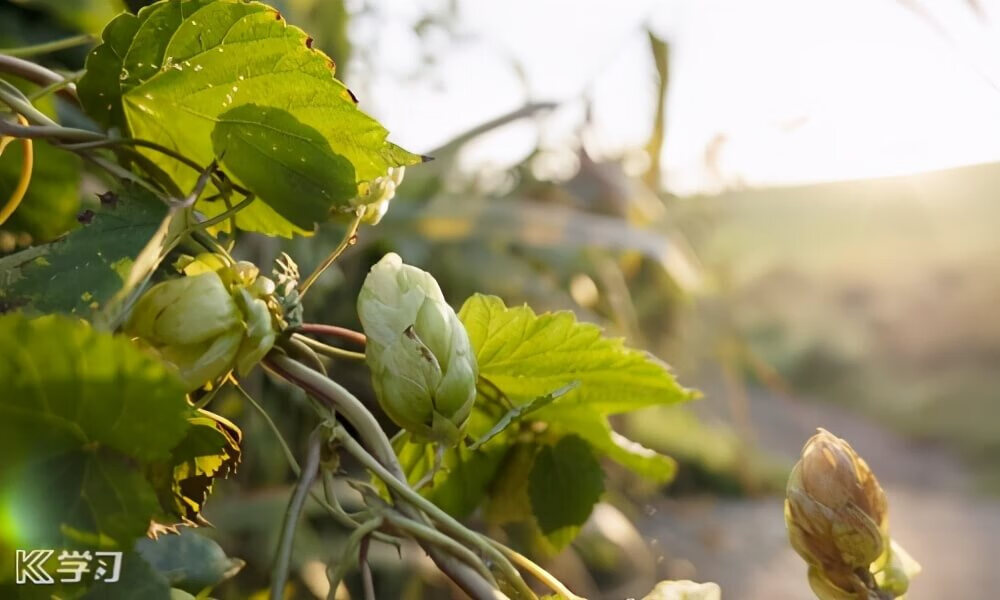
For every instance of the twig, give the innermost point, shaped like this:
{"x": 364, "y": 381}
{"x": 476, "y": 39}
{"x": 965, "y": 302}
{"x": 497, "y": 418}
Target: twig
{"x": 348, "y": 239}
{"x": 283, "y": 555}
{"x": 335, "y": 331}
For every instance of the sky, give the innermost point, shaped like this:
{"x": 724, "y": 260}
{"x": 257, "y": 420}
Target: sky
{"x": 770, "y": 92}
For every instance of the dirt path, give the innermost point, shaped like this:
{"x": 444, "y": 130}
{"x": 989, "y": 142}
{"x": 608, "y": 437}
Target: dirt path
{"x": 741, "y": 544}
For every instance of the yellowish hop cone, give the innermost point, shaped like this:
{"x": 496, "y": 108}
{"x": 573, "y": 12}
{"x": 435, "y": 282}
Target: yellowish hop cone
{"x": 837, "y": 518}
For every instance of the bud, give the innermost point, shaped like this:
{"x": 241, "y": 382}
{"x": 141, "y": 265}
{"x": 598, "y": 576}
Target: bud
{"x": 837, "y": 519}
{"x": 423, "y": 368}
{"x": 205, "y": 323}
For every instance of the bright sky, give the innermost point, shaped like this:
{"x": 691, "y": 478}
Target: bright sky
{"x": 785, "y": 91}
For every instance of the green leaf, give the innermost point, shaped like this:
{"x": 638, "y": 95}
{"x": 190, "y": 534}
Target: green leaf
{"x": 81, "y": 412}
{"x": 597, "y": 431}
{"x": 210, "y": 450}
{"x": 79, "y": 273}
{"x": 565, "y": 483}
{"x": 528, "y": 355}
{"x": 231, "y": 80}
{"x": 508, "y": 500}
{"x": 188, "y": 560}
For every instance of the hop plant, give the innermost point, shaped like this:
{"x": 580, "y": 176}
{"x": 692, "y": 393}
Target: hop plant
{"x": 837, "y": 518}
{"x": 215, "y": 318}
{"x": 423, "y": 368}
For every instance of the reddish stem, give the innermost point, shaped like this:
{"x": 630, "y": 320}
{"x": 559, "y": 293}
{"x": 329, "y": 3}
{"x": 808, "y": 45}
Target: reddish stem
{"x": 333, "y": 330}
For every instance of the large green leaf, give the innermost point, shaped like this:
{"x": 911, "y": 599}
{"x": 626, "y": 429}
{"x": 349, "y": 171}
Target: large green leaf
{"x": 528, "y": 355}
{"x": 565, "y": 483}
{"x": 231, "y": 80}
{"x": 81, "y": 412}
{"x": 79, "y": 273}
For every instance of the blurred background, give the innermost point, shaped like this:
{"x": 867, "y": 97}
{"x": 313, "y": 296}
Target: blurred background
{"x": 792, "y": 202}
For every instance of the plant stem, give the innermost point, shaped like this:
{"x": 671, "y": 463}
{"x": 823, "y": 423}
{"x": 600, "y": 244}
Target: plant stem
{"x": 348, "y": 239}
{"x": 541, "y": 574}
{"x": 283, "y": 556}
{"x": 367, "y": 584}
{"x": 274, "y": 429}
{"x": 331, "y": 504}
{"x": 225, "y": 214}
{"x": 336, "y": 574}
{"x": 327, "y": 350}
{"x": 47, "y": 47}
{"x": 35, "y": 73}
{"x": 334, "y": 331}
{"x": 56, "y": 86}
{"x": 426, "y": 532}
{"x": 399, "y": 485}
{"x": 24, "y": 178}
{"x": 299, "y": 348}
{"x": 332, "y": 394}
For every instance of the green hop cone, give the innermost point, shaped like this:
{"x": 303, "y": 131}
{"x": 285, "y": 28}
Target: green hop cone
{"x": 423, "y": 368}
{"x": 837, "y": 518}
{"x": 209, "y": 321}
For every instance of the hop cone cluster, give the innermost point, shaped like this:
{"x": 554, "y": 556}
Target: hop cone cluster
{"x": 215, "y": 318}
{"x": 837, "y": 518}
{"x": 423, "y": 368}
